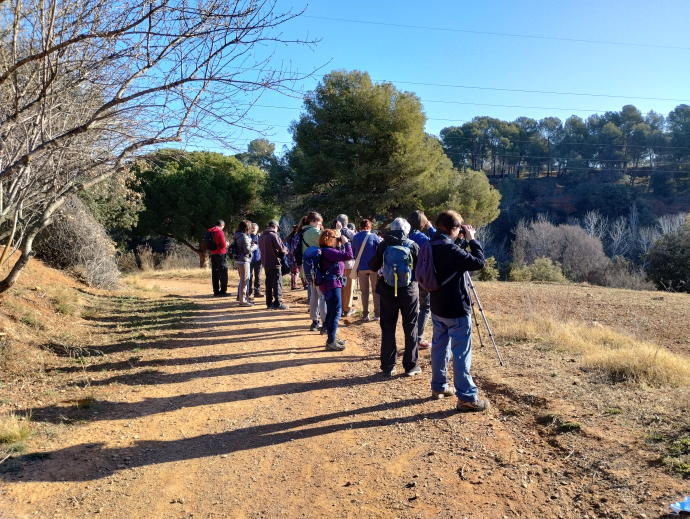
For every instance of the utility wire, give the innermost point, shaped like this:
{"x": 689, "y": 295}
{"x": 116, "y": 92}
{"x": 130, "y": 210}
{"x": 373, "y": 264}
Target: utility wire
{"x": 472, "y": 87}
{"x": 489, "y": 33}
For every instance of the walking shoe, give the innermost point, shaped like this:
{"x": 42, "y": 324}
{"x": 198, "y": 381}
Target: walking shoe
{"x": 340, "y": 341}
{"x": 350, "y": 312}
{"x": 424, "y": 345}
{"x": 246, "y": 304}
{"x": 281, "y": 306}
{"x": 438, "y": 395}
{"x": 324, "y": 331}
{"x": 377, "y": 318}
{"x": 366, "y": 318}
{"x": 334, "y": 346}
{"x": 389, "y": 373}
{"x": 477, "y": 405}
{"x": 258, "y": 293}
{"x": 270, "y": 307}
{"x": 315, "y": 326}
{"x": 295, "y": 288}
{"x": 414, "y": 371}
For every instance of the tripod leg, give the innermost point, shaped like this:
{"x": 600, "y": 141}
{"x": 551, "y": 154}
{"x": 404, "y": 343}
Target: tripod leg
{"x": 481, "y": 311}
{"x": 476, "y": 323}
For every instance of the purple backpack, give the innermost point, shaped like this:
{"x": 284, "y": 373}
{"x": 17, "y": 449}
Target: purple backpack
{"x": 426, "y": 273}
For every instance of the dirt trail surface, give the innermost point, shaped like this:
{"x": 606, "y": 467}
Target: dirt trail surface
{"x": 241, "y": 413}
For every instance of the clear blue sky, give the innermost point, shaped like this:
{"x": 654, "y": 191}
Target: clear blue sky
{"x": 401, "y": 54}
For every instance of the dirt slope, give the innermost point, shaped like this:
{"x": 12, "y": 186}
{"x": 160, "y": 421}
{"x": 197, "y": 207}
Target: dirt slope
{"x": 241, "y": 413}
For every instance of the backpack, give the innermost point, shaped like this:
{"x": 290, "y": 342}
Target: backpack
{"x": 211, "y": 241}
{"x": 311, "y": 263}
{"x": 397, "y": 265}
{"x": 322, "y": 276}
{"x": 426, "y": 272}
{"x": 234, "y": 251}
{"x": 296, "y": 247}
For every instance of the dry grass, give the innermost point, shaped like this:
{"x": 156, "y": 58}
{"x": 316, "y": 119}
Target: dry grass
{"x": 195, "y": 273}
{"x": 13, "y": 428}
{"x": 617, "y": 356}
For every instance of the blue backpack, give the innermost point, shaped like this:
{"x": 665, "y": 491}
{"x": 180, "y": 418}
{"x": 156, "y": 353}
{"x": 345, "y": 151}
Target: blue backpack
{"x": 397, "y": 265}
{"x": 311, "y": 261}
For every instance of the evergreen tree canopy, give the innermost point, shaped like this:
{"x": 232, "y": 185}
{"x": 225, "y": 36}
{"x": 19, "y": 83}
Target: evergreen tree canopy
{"x": 669, "y": 260}
{"x": 185, "y": 193}
{"x": 361, "y": 148}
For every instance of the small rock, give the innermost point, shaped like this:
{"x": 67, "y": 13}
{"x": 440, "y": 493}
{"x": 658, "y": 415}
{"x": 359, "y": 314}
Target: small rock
{"x": 412, "y": 484}
{"x": 223, "y": 455}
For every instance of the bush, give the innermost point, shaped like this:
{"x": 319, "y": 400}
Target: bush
{"x": 624, "y": 274}
{"x": 581, "y": 256}
{"x": 78, "y": 243}
{"x": 176, "y": 257}
{"x": 520, "y": 274}
{"x": 669, "y": 260}
{"x": 544, "y": 269}
{"x": 489, "y": 272}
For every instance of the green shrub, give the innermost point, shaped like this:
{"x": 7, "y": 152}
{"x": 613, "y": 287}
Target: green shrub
{"x": 669, "y": 260}
{"x": 520, "y": 274}
{"x": 544, "y": 269}
{"x": 489, "y": 272}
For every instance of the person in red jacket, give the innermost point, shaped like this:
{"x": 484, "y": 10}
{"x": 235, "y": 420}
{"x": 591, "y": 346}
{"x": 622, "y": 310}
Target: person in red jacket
{"x": 219, "y": 261}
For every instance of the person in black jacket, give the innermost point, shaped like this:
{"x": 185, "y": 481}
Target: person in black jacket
{"x": 450, "y": 311}
{"x": 406, "y": 303}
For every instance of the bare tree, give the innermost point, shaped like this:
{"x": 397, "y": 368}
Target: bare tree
{"x": 671, "y": 223}
{"x": 646, "y": 238}
{"x": 86, "y": 85}
{"x": 595, "y": 224}
{"x": 619, "y": 240}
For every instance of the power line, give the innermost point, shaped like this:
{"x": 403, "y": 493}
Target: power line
{"x": 490, "y": 33}
{"x": 472, "y": 87}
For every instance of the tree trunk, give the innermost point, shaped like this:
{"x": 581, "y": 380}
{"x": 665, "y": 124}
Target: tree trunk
{"x": 201, "y": 250}
{"x": 26, "y": 255}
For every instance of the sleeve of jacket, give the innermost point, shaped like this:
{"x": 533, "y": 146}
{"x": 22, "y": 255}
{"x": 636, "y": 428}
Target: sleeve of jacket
{"x": 376, "y": 261}
{"x": 343, "y": 255}
{"x": 281, "y": 249}
{"x": 469, "y": 261}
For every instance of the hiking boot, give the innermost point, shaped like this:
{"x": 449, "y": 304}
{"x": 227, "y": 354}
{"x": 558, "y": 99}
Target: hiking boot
{"x": 414, "y": 371}
{"x": 477, "y": 405}
{"x": 438, "y": 395}
{"x": 389, "y": 373}
{"x": 281, "y": 306}
{"x": 424, "y": 345}
{"x": 315, "y": 327}
{"x": 334, "y": 346}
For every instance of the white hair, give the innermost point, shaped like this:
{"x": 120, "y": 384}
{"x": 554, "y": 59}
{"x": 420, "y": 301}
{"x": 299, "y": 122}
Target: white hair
{"x": 342, "y": 218}
{"x": 255, "y": 225}
{"x": 400, "y": 224}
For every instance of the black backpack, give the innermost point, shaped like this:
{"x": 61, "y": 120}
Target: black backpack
{"x": 234, "y": 251}
{"x": 297, "y": 248}
{"x": 211, "y": 241}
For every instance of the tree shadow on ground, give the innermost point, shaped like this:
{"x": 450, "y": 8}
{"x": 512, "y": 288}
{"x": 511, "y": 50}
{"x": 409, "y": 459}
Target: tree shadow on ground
{"x": 152, "y": 452}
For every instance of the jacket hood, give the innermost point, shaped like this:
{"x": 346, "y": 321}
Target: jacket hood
{"x": 238, "y": 234}
{"x": 269, "y": 230}
{"x": 395, "y": 238}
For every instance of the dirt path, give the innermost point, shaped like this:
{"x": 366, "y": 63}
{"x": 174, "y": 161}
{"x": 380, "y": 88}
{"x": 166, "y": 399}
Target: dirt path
{"x": 243, "y": 414}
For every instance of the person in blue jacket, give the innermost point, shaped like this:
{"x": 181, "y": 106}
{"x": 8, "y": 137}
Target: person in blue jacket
{"x": 367, "y": 278}
{"x": 419, "y": 224}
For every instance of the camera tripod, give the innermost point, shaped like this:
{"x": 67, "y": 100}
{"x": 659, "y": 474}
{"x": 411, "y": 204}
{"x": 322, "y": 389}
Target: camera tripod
{"x": 481, "y": 310}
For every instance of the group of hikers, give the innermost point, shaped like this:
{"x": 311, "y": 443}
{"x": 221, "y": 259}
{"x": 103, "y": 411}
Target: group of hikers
{"x": 415, "y": 269}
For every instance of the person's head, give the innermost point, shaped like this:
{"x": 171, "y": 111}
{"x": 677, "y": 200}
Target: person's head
{"x": 351, "y": 226}
{"x": 314, "y": 219}
{"x": 400, "y": 224}
{"x": 273, "y": 224}
{"x": 449, "y": 223}
{"x": 302, "y": 223}
{"x": 245, "y": 226}
{"x": 417, "y": 220}
{"x": 328, "y": 238}
{"x": 365, "y": 225}
{"x": 220, "y": 224}
{"x": 255, "y": 228}
{"x": 342, "y": 218}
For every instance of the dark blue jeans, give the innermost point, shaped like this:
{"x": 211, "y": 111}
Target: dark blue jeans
{"x": 334, "y": 308}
